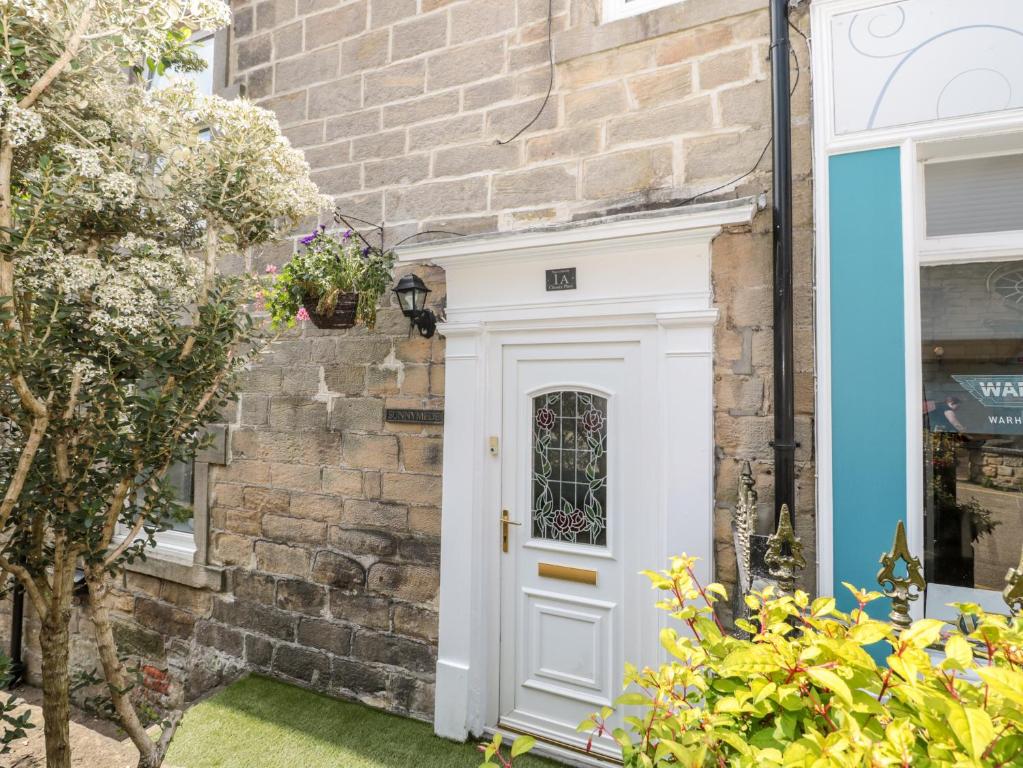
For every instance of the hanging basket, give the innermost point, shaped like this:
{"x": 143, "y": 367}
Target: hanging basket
{"x": 343, "y": 315}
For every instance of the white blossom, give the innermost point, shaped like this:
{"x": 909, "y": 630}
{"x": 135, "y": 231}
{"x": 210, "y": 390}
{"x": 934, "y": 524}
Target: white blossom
{"x": 23, "y": 125}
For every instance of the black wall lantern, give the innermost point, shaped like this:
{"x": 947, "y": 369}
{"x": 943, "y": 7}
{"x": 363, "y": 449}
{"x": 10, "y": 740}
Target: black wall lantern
{"x": 411, "y": 293}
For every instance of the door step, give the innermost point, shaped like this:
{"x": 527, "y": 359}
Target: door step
{"x": 563, "y": 753}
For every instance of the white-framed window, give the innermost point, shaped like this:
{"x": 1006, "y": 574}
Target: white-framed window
{"x": 204, "y": 45}
{"x": 620, "y": 9}
{"x": 969, "y": 359}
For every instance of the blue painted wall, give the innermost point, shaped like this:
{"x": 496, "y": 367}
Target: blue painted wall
{"x": 868, "y": 363}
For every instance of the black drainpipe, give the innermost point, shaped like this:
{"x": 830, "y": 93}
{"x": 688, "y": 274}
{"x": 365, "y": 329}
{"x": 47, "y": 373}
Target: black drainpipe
{"x": 17, "y": 625}
{"x": 784, "y": 391}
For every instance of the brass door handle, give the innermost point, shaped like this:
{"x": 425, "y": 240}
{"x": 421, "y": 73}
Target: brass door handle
{"x": 505, "y": 522}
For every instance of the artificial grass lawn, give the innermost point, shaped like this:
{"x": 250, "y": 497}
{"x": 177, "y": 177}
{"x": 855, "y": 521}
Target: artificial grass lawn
{"x": 261, "y": 723}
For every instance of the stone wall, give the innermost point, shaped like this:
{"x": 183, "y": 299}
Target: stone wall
{"x": 325, "y": 524}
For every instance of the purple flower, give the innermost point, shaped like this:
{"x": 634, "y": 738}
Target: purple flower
{"x": 347, "y": 235}
{"x": 309, "y": 238}
{"x": 365, "y": 250}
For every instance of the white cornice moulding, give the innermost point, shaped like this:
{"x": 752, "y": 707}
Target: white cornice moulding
{"x": 698, "y": 223}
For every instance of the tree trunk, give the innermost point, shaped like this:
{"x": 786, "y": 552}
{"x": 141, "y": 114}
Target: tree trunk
{"x": 151, "y": 753}
{"x": 55, "y": 643}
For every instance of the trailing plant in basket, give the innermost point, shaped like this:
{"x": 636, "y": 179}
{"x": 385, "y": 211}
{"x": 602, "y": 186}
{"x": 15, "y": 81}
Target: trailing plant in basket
{"x": 330, "y": 269}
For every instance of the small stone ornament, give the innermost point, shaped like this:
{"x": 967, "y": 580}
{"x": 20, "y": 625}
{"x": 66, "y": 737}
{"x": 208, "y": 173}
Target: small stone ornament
{"x": 901, "y": 589}
{"x": 1013, "y": 592}
{"x": 784, "y": 556}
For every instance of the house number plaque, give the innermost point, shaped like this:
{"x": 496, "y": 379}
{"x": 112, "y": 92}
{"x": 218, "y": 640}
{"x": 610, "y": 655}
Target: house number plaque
{"x": 561, "y": 279}
{"x": 414, "y": 416}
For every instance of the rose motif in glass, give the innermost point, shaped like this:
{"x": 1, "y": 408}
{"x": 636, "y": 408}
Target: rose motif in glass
{"x": 570, "y": 467}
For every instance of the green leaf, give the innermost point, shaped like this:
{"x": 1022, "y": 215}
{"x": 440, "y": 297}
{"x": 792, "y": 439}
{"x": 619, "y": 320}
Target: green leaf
{"x": 830, "y": 680}
{"x": 870, "y": 632}
{"x": 521, "y": 745}
{"x": 958, "y": 653}
{"x": 923, "y": 633}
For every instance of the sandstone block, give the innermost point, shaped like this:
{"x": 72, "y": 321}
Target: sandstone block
{"x": 369, "y": 451}
{"x": 374, "y": 514}
{"x": 290, "y": 529}
{"x": 416, "y": 622}
{"x": 385, "y": 12}
{"x": 595, "y": 103}
{"x": 282, "y": 559}
{"x": 332, "y": 26}
{"x": 419, "y": 110}
{"x": 504, "y": 122}
{"x": 164, "y": 618}
{"x": 396, "y": 651}
{"x": 419, "y": 35}
{"x": 398, "y": 171}
{"x": 266, "y": 501}
{"x": 476, "y": 158}
{"x": 357, "y": 543}
{"x": 325, "y": 635}
{"x": 623, "y": 173}
{"x": 288, "y": 41}
{"x": 563, "y": 144}
{"x": 691, "y": 116}
{"x": 336, "y": 570}
{"x": 364, "y": 52}
{"x": 454, "y": 130}
{"x": 363, "y": 610}
{"x": 424, "y": 520}
{"x": 255, "y": 51}
{"x": 335, "y": 98}
{"x": 477, "y": 19}
{"x": 230, "y": 549}
{"x": 303, "y": 71}
{"x": 397, "y": 82}
{"x": 746, "y": 105}
{"x": 535, "y": 186}
{"x": 421, "y": 454}
{"x": 441, "y": 198}
{"x": 724, "y": 68}
{"x": 379, "y": 145}
{"x": 299, "y": 596}
{"x": 352, "y": 124}
{"x": 258, "y": 651}
{"x": 309, "y": 666}
{"x": 342, "y": 482}
{"x": 356, "y": 413}
{"x": 357, "y": 677}
{"x": 465, "y": 64}
{"x": 316, "y": 507}
{"x": 289, "y": 108}
{"x": 415, "y": 583}
{"x": 256, "y": 618}
{"x": 662, "y": 86}
{"x": 295, "y": 477}
{"x": 225, "y": 639}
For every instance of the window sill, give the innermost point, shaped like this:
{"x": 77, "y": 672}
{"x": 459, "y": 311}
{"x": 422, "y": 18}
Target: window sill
{"x": 587, "y": 39}
{"x": 168, "y": 568}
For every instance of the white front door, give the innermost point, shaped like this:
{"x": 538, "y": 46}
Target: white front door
{"x": 574, "y": 489}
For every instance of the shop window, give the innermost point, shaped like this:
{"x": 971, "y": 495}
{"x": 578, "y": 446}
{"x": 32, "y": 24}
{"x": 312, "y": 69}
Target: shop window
{"x": 974, "y": 196}
{"x": 972, "y": 421}
{"x": 570, "y": 468}
{"x": 620, "y": 9}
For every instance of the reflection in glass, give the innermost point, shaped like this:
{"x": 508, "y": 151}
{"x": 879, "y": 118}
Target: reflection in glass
{"x": 972, "y": 352}
{"x": 570, "y": 467}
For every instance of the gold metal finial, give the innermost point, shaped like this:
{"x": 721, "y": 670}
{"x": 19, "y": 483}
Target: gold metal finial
{"x": 1013, "y": 592}
{"x": 784, "y": 556}
{"x": 901, "y": 589}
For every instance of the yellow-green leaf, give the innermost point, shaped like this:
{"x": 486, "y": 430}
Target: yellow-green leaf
{"x": 829, "y": 679}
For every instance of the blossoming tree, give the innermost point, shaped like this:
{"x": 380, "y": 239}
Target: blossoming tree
{"x": 119, "y": 340}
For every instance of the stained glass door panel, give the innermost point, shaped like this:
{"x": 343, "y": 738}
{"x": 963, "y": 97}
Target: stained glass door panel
{"x": 569, "y": 489}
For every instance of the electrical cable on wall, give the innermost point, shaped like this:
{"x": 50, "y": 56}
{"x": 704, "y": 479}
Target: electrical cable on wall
{"x": 767, "y": 146}
{"x": 550, "y": 84}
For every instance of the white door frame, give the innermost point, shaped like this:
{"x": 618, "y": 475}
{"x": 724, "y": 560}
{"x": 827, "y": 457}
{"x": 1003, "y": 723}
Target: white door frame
{"x": 641, "y": 278}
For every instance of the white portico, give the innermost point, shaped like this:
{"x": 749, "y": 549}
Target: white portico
{"x": 578, "y": 449}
